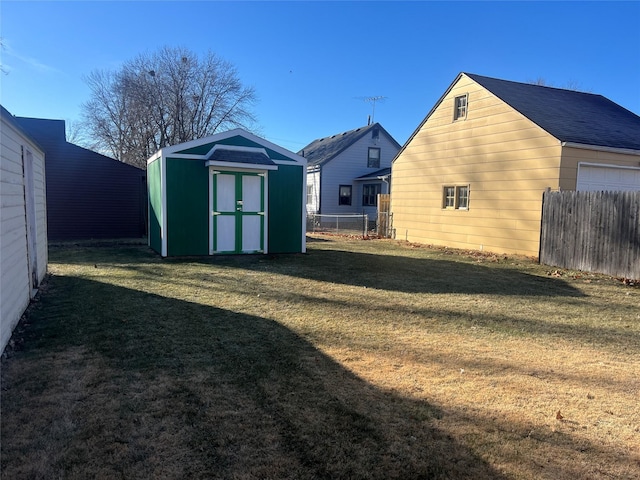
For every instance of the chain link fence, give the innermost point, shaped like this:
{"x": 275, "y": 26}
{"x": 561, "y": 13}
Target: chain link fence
{"x": 346, "y": 224}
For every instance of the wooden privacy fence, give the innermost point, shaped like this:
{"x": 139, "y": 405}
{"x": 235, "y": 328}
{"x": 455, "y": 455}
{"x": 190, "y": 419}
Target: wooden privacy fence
{"x": 383, "y": 223}
{"x": 592, "y": 231}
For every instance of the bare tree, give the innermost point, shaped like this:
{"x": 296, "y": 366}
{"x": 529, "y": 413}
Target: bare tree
{"x": 162, "y": 99}
{"x": 569, "y": 85}
{"x": 3, "y": 69}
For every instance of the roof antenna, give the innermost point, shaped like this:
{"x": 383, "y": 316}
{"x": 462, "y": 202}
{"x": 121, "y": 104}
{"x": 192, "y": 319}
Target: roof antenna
{"x": 373, "y": 101}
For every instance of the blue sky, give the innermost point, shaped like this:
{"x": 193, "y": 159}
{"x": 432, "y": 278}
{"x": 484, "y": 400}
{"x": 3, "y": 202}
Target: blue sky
{"x": 312, "y": 63}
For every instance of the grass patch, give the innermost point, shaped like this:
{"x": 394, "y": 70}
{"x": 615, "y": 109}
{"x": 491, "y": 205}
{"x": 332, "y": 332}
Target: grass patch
{"x": 359, "y": 359}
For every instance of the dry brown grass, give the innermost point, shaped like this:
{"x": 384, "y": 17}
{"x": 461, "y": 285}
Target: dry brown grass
{"x": 358, "y": 360}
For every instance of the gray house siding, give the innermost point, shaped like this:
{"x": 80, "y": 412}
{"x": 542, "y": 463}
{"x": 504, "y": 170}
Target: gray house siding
{"x": 352, "y": 163}
{"x": 332, "y": 165}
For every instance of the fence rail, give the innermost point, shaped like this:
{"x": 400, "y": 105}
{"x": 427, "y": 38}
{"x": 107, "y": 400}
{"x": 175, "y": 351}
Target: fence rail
{"x": 349, "y": 224}
{"x": 592, "y": 231}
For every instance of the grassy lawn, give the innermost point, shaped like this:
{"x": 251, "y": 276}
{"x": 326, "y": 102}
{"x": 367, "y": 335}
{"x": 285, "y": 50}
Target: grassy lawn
{"x": 359, "y": 359}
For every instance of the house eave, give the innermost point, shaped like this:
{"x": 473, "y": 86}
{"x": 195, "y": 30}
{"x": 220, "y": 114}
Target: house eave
{"x": 599, "y": 148}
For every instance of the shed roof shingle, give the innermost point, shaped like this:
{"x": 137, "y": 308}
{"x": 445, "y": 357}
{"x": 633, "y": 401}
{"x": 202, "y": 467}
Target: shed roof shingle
{"x": 240, "y": 156}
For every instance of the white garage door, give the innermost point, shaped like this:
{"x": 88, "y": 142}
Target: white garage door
{"x": 607, "y": 178}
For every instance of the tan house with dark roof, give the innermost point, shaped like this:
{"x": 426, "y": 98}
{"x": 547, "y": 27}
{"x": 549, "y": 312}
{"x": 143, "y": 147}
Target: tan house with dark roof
{"x": 473, "y": 173}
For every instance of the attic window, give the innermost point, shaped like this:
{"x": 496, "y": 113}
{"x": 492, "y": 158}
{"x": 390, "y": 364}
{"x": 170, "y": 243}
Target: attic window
{"x": 375, "y": 134}
{"x": 460, "y": 107}
{"x": 373, "y": 159}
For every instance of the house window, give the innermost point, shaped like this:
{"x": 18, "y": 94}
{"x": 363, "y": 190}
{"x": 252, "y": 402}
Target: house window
{"x": 449, "y": 197}
{"x": 455, "y": 197}
{"x": 309, "y": 194}
{"x": 373, "y": 160}
{"x": 375, "y": 134}
{"x": 344, "y": 195}
{"x": 462, "y": 198}
{"x": 370, "y": 194}
{"x": 460, "y": 107}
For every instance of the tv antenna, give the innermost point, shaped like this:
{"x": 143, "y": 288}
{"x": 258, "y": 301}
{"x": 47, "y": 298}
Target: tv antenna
{"x": 373, "y": 100}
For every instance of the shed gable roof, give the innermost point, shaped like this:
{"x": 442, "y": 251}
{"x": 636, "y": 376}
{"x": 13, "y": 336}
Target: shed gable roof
{"x": 568, "y": 115}
{"x": 206, "y": 147}
{"x": 323, "y": 150}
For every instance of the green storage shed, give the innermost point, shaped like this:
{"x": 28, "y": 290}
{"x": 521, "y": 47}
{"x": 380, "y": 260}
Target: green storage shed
{"x": 229, "y": 193}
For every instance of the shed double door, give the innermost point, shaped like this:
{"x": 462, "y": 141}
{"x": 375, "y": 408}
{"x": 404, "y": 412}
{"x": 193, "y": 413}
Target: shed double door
{"x": 238, "y": 212}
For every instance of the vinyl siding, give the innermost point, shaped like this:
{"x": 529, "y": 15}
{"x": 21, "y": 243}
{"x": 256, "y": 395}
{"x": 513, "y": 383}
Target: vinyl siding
{"x": 572, "y": 156}
{"x": 16, "y": 286}
{"x": 506, "y": 160}
{"x": 313, "y": 180}
{"x": 93, "y": 196}
{"x": 347, "y": 166}
{"x": 89, "y": 195}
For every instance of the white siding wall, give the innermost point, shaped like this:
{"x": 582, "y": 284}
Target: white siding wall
{"x": 313, "y": 181}
{"x": 15, "y": 281}
{"x": 350, "y": 164}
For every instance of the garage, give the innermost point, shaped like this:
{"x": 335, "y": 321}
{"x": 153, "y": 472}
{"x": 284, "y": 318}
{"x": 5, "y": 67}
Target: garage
{"x": 597, "y": 177}
{"x": 230, "y": 193}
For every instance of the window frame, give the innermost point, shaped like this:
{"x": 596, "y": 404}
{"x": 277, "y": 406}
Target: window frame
{"x": 377, "y": 188}
{"x": 340, "y": 196}
{"x": 309, "y": 194}
{"x": 369, "y": 158}
{"x": 448, "y": 197}
{"x": 459, "y": 197}
{"x": 460, "y": 110}
{"x": 457, "y": 190}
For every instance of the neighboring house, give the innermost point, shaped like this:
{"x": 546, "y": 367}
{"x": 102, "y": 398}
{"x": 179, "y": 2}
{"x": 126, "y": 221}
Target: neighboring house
{"x": 231, "y": 192}
{"x": 473, "y": 173}
{"x": 23, "y": 222}
{"x": 89, "y": 195}
{"x": 347, "y": 171}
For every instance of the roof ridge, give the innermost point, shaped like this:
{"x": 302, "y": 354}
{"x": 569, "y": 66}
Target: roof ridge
{"x": 570, "y": 90}
{"x": 343, "y": 133}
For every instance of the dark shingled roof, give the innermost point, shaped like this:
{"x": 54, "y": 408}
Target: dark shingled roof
{"x": 568, "y": 115}
{"x": 322, "y": 150}
{"x": 378, "y": 173}
{"x": 240, "y": 156}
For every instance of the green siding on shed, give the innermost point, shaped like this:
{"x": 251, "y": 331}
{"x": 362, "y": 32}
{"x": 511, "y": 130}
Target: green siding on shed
{"x": 285, "y": 209}
{"x": 154, "y": 182}
{"x": 187, "y": 207}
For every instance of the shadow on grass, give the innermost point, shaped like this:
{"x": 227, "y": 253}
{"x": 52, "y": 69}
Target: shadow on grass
{"x": 388, "y": 274}
{"x": 130, "y": 384}
{"x": 384, "y": 272}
